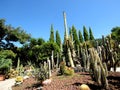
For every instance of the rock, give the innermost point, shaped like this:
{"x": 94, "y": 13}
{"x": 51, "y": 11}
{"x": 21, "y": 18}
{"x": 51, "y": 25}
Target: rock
{"x": 39, "y": 88}
{"x": 25, "y": 77}
{"x": 47, "y": 81}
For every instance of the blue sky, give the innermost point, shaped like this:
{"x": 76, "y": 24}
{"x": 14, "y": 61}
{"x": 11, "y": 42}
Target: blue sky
{"x": 36, "y": 16}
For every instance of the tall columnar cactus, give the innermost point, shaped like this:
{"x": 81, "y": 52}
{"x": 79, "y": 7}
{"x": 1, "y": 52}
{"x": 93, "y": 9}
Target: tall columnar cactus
{"x": 52, "y": 60}
{"x": 57, "y": 62}
{"x": 108, "y": 52}
{"x": 83, "y": 58}
{"x": 70, "y": 58}
{"x": 87, "y": 59}
{"x": 68, "y": 44}
{"x": 49, "y": 68}
{"x": 98, "y": 68}
{"x": 19, "y": 68}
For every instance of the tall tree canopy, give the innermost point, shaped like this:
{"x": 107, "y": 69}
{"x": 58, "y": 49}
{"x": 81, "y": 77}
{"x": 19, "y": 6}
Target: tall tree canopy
{"x": 85, "y": 34}
{"x": 91, "y": 37}
{"x": 116, "y": 33}
{"x": 75, "y": 37}
{"x": 80, "y": 36}
{"x": 58, "y": 39}
{"x": 51, "y": 39}
{"x": 9, "y": 34}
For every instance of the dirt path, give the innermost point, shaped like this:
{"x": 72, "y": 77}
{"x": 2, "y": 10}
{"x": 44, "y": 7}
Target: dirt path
{"x": 7, "y": 84}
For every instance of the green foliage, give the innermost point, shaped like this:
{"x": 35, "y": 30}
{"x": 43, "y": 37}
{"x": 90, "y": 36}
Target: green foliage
{"x": 40, "y": 41}
{"x": 47, "y": 48}
{"x": 42, "y": 73}
{"x": 17, "y": 34}
{"x": 30, "y": 52}
{"x": 85, "y": 34}
{"x": 91, "y": 34}
{"x": 36, "y": 53}
{"x": 5, "y": 65}
{"x": 6, "y": 57}
{"x": 7, "y": 54}
{"x": 64, "y": 70}
{"x": 51, "y": 39}
{"x": 80, "y": 36}
{"x": 21, "y": 70}
{"x": 33, "y": 42}
{"x": 69, "y": 71}
{"x": 58, "y": 39}
{"x": 116, "y": 33}
{"x": 9, "y": 34}
{"x": 12, "y": 73}
{"x": 75, "y": 38}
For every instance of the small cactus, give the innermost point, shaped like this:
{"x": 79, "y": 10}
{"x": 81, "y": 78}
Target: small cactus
{"x": 84, "y": 87}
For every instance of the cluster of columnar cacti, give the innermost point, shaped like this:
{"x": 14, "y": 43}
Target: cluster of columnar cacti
{"x": 44, "y": 72}
{"x": 108, "y": 53}
{"x": 98, "y": 68}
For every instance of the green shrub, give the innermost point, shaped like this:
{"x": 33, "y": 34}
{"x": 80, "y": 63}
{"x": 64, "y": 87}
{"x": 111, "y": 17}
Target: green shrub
{"x": 69, "y": 71}
{"x": 64, "y": 70}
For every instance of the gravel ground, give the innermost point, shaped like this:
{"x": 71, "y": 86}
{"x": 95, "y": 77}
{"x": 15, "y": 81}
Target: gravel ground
{"x": 71, "y": 82}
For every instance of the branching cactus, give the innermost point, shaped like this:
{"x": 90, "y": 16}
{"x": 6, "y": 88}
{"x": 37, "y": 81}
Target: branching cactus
{"x": 108, "y": 52}
{"x": 99, "y": 69}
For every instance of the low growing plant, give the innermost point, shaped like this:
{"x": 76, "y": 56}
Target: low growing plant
{"x": 12, "y": 73}
{"x": 69, "y": 71}
{"x": 64, "y": 70}
{"x": 42, "y": 73}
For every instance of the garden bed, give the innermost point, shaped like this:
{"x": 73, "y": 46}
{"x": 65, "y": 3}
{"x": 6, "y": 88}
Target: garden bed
{"x": 71, "y": 82}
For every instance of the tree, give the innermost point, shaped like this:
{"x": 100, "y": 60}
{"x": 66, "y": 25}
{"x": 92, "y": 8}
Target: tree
{"x": 115, "y": 33}
{"x": 51, "y": 39}
{"x": 30, "y": 52}
{"x": 40, "y": 41}
{"x": 9, "y": 34}
{"x": 6, "y": 57}
{"x": 75, "y": 38}
{"x": 91, "y": 34}
{"x": 85, "y": 33}
{"x": 80, "y": 36}
{"x": 58, "y": 39}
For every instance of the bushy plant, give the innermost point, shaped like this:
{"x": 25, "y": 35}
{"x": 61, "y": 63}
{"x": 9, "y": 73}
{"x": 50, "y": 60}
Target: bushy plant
{"x": 42, "y": 74}
{"x": 12, "y": 73}
{"x": 64, "y": 70}
{"x": 6, "y": 61}
{"x": 5, "y": 65}
{"x": 69, "y": 71}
